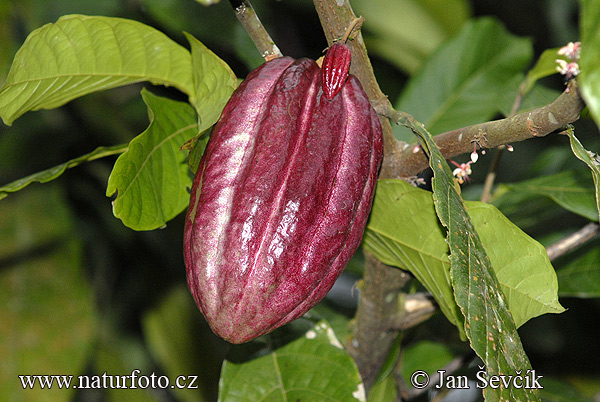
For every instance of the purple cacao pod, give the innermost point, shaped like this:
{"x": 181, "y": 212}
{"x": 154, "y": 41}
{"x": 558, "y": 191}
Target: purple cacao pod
{"x": 336, "y": 65}
{"x": 280, "y": 199}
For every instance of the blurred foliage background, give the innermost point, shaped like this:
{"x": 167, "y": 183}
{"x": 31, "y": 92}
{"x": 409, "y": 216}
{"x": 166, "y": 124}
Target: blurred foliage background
{"x": 81, "y": 293}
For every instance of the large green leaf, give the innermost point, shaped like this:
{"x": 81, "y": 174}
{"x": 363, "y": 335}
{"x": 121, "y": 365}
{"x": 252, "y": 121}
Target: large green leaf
{"x": 461, "y": 83}
{"x": 46, "y": 304}
{"x": 151, "y": 177}
{"x": 404, "y": 231}
{"x": 591, "y": 159}
{"x": 571, "y": 189}
{"x": 313, "y": 367}
{"x": 214, "y": 83}
{"x": 54, "y": 172}
{"x": 489, "y": 325}
{"x": 80, "y": 54}
{"x": 520, "y": 263}
{"x": 589, "y": 80}
{"x": 406, "y": 32}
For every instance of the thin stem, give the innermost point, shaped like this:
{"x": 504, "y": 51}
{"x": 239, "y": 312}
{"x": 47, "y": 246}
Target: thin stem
{"x": 572, "y": 241}
{"x": 491, "y": 176}
{"x": 262, "y": 40}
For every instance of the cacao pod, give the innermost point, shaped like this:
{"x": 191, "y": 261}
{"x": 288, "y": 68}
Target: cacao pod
{"x": 280, "y": 199}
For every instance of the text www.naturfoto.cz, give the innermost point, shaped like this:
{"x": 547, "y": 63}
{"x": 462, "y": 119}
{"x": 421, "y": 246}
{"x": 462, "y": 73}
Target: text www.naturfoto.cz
{"x": 107, "y": 381}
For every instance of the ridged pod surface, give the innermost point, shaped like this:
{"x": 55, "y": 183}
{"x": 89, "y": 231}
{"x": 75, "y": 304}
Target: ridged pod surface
{"x": 280, "y": 199}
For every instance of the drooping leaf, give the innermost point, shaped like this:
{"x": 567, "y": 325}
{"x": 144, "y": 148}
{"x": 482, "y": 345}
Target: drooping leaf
{"x": 580, "y": 277}
{"x": 589, "y": 79}
{"x": 214, "y": 83}
{"x": 78, "y": 55}
{"x": 182, "y": 344}
{"x": 462, "y": 81}
{"x": 591, "y": 159}
{"x": 406, "y": 32}
{"x": 46, "y": 303}
{"x": 571, "y": 189}
{"x": 403, "y": 231}
{"x": 151, "y": 177}
{"x": 54, "y": 172}
{"x": 521, "y": 264}
{"x": 312, "y": 367}
{"x": 489, "y": 326}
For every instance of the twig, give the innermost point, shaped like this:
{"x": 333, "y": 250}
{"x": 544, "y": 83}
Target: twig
{"x": 572, "y": 241}
{"x": 261, "y": 38}
{"x": 486, "y": 194}
{"x": 416, "y": 308}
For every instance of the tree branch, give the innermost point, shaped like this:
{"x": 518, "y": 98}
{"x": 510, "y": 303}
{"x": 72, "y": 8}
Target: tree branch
{"x": 403, "y": 162}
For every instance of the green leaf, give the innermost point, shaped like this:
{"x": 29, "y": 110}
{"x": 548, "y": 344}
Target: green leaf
{"x": 78, "y": 55}
{"x": 403, "y": 231}
{"x": 313, "y": 367}
{"x": 406, "y": 32}
{"x": 580, "y": 277}
{"x": 521, "y": 264}
{"x": 50, "y": 174}
{"x": 182, "y": 344}
{"x": 589, "y": 79}
{"x": 571, "y": 189}
{"x": 151, "y": 177}
{"x": 214, "y": 83}
{"x": 461, "y": 84}
{"x": 46, "y": 303}
{"x": 489, "y": 325}
{"x": 591, "y": 159}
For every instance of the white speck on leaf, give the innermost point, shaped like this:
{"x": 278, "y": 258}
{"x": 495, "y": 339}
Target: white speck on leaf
{"x": 360, "y": 393}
